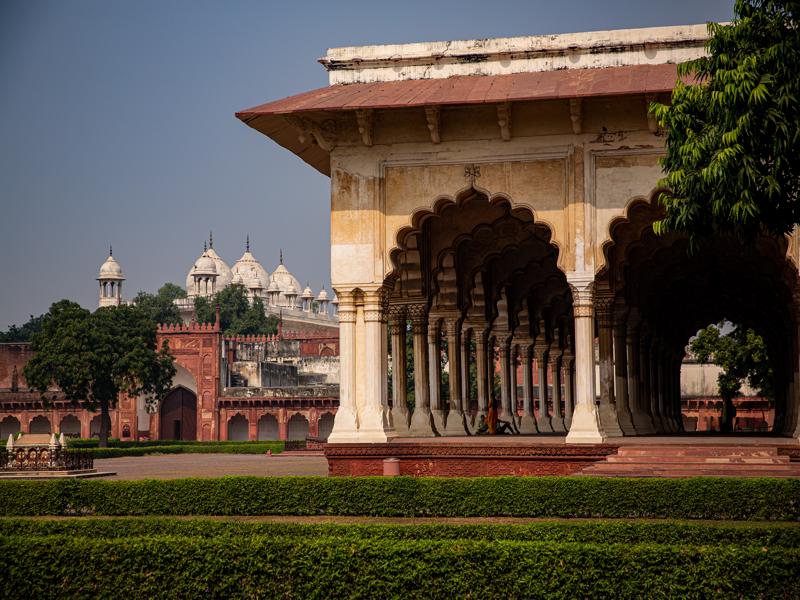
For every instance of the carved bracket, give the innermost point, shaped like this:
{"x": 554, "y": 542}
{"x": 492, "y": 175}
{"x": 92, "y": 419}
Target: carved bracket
{"x": 433, "y": 115}
{"x": 576, "y": 114}
{"x": 365, "y": 119}
{"x": 504, "y": 120}
{"x": 324, "y": 134}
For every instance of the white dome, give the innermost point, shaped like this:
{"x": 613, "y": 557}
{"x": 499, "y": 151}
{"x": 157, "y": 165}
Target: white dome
{"x": 307, "y": 293}
{"x": 110, "y": 270}
{"x": 292, "y": 291}
{"x": 284, "y": 279}
{"x": 323, "y": 296}
{"x": 204, "y": 266}
{"x": 249, "y": 272}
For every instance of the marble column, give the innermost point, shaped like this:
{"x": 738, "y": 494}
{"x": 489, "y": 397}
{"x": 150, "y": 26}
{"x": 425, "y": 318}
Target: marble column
{"x": 568, "y": 365}
{"x": 345, "y": 424}
{"x": 609, "y": 420}
{"x": 543, "y": 421}
{"x": 482, "y": 370}
{"x": 454, "y": 423}
{"x": 527, "y": 423}
{"x": 642, "y": 423}
{"x": 557, "y": 418}
{"x": 585, "y": 425}
{"x": 504, "y": 350}
{"x": 621, "y": 373}
{"x": 435, "y": 373}
{"x": 466, "y": 406}
{"x": 421, "y": 424}
{"x": 374, "y": 424}
{"x": 397, "y": 327}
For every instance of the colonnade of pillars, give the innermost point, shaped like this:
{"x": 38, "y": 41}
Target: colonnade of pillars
{"x": 638, "y": 374}
{"x": 470, "y": 344}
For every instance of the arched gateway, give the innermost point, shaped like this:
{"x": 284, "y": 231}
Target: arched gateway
{"x": 493, "y": 201}
{"x": 178, "y": 415}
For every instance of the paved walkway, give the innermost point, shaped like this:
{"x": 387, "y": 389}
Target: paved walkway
{"x": 175, "y": 466}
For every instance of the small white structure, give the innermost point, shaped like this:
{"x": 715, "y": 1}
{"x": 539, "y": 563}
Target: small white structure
{"x": 110, "y": 278}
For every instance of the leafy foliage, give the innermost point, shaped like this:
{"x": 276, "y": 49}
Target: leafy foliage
{"x": 327, "y": 566}
{"x": 95, "y": 357}
{"x": 733, "y": 138}
{"x": 238, "y": 314}
{"x": 742, "y": 355}
{"x": 161, "y": 305}
{"x": 24, "y": 332}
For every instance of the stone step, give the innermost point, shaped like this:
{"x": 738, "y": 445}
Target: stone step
{"x": 666, "y": 459}
{"x": 695, "y": 461}
{"x": 691, "y": 473}
{"x": 755, "y": 451}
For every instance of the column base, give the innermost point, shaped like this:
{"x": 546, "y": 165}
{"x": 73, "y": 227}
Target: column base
{"x": 374, "y": 427}
{"x": 544, "y": 425}
{"x": 585, "y": 428}
{"x": 626, "y": 422}
{"x": 642, "y": 423}
{"x": 454, "y": 424}
{"x": 609, "y": 420}
{"x": 558, "y": 424}
{"x": 421, "y": 424}
{"x": 527, "y": 424}
{"x": 345, "y": 427}
{"x": 399, "y": 421}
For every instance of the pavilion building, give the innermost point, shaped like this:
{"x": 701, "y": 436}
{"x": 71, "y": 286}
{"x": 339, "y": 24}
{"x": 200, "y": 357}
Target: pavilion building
{"x": 494, "y": 200}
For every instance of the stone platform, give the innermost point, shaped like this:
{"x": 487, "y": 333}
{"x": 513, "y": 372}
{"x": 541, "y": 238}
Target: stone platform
{"x": 551, "y": 455}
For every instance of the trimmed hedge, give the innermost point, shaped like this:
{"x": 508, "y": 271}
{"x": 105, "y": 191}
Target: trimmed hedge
{"x": 696, "y": 498}
{"x": 117, "y": 448}
{"x": 230, "y": 567}
{"x": 226, "y": 448}
{"x": 770, "y": 535}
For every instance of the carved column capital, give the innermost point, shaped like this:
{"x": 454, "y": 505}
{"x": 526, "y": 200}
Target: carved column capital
{"x": 418, "y": 315}
{"x": 397, "y": 318}
{"x": 582, "y": 292}
{"x": 347, "y": 307}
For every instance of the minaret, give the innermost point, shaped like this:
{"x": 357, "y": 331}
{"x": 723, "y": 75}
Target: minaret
{"x": 110, "y": 278}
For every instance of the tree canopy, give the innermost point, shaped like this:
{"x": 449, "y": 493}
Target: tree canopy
{"x": 238, "y": 314}
{"x": 742, "y": 356}
{"x": 161, "y": 305}
{"x": 95, "y": 357}
{"x": 22, "y": 333}
{"x": 733, "y": 137}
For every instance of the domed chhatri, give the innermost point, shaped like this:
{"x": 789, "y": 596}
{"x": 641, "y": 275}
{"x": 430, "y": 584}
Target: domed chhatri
{"x": 286, "y": 284}
{"x": 110, "y": 278}
{"x": 223, "y": 276}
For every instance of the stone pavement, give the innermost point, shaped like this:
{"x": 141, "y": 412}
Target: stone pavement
{"x": 176, "y": 466}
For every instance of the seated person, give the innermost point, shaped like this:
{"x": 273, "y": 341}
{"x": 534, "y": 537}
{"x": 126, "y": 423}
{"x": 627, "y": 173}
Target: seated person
{"x": 483, "y": 426}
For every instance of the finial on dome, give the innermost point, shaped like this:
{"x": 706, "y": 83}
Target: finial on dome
{"x": 281, "y": 255}
{"x": 205, "y": 247}
{"x": 247, "y": 244}
{"x": 210, "y": 239}
{"x": 111, "y": 250}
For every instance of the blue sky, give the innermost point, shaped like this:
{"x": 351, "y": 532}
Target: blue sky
{"x": 117, "y": 126}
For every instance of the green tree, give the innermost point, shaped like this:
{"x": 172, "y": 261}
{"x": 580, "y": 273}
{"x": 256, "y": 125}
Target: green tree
{"x": 161, "y": 305}
{"x": 733, "y": 138}
{"x": 95, "y": 357}
{"x": 742, "y": 356}
{"x": 24, "y": 332}
{"x": 238, "y": 315}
